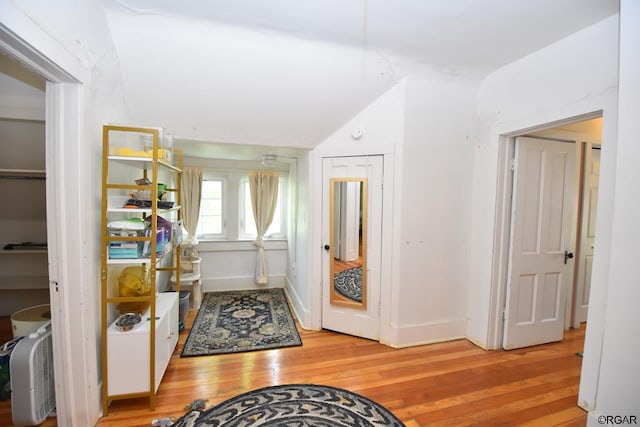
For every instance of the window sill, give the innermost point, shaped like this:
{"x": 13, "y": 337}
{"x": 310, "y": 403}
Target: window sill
{"x": 239, "y": 245}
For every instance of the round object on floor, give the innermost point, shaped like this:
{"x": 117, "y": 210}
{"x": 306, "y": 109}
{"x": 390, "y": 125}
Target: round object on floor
{"x": 294, "y": 404}
{"x": 28, "y": 320}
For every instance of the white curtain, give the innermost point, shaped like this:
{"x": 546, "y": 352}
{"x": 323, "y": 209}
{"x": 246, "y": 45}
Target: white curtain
{"x": 190, "y": 200}
{"x": 264, "y": 197}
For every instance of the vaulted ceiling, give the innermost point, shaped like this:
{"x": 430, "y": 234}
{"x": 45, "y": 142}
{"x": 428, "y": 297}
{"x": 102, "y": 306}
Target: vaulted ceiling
{"x": 461, "y": 34}
{"x": 289, "y": 72}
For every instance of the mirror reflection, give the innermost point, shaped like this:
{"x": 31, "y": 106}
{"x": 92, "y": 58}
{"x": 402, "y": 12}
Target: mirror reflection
{"x": 348, "y": 225}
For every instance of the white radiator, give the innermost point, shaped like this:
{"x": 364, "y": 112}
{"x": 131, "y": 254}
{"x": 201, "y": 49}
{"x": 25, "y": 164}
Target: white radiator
{"x": 32, "y": 384}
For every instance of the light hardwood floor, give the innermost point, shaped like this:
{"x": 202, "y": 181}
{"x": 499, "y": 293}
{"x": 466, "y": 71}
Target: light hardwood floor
{"x": 453, "y": 383}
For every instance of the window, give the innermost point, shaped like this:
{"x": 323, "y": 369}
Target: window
{"x": 247, "y": 222}
{"x": 211, "y": 221}
{"x": 226, "y": 212}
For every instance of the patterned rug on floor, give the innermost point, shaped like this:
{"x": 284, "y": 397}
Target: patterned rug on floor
{"x": 236, "y": 321}
{"x": 348, "y": 283}
{"x": 293, "y": 405}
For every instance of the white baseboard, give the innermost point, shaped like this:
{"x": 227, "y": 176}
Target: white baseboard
{"x": 299, "y": 311}
{"x": 427, "y": 333}
{"x": 239, "y": 283}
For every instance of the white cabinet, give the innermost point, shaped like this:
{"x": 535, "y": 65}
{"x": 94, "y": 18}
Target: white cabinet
{"x": 128, "y": 356}
{"x": 166, "y": 336}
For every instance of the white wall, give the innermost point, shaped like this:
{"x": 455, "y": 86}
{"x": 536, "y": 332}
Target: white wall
{"x": 231, "y": 265}
{"x": 544, "y": 87}
{"x": 382, "y": 123}
{"x": 424, "y": 127}
{"x": 431, "y": 230}
{"x": 74, "y": 37}
{"x": 618, "y": 388}
{"x": 299, "y": 283}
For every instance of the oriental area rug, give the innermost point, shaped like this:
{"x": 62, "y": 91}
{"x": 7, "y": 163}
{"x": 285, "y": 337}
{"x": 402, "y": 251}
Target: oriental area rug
{"x": 237, "y": 321}
{"x": 293, "y": 405}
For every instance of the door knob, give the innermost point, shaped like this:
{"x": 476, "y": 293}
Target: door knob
{"x": 327, "y": 247}
{"x": 567, "y": 255}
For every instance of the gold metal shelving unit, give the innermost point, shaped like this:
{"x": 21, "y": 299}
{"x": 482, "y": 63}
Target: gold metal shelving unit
{"x": 151, "y": 160}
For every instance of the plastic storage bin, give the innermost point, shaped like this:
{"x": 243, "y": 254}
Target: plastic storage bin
{"x": 184, "y": 305}
{"x": 183, "y": 308}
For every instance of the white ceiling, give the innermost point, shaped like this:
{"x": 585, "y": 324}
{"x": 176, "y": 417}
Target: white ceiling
{"x": 287, "y": 73}
{"x": 290, "y": 72}
{"x": 464, "y": 34}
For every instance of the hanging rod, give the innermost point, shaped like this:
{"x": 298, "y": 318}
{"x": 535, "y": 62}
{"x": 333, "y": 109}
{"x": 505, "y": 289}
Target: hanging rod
{"x": 22, "y": 177}
{"x": 22, "y": 174}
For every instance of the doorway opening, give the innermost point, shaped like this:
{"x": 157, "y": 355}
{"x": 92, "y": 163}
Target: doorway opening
{"x": 587, "y": 135}
{"x": 24, "y": 283}
{"x": 580, "y": 136}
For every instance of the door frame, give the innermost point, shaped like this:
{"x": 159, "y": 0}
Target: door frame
{"x": 77, "y": 396}
{"x": 388, "y": 275}
{"x": 580, "y": 240}
{"x": 502, "y": 231}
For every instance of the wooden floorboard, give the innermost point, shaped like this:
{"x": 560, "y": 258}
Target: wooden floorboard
{"x": 453, "y": 383}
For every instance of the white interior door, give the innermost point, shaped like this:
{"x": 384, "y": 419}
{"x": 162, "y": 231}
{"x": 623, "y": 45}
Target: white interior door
{"x": 355, "y": 321}
{"x": 587, "y": 233}
{"x": 540, "y": 271}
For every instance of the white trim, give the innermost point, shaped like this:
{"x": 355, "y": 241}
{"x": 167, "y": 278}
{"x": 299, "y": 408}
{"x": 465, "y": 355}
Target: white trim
{"x": 73, "y": 254}
{"x": 427, "y": 333}
{"x": 389, "y": 277}
{"x": 55, "y": 245}
{"x": 315, "y": 244}
{"x": 223, "y": 208}
{"x": 297, "y": 305}
{"x": 23, "y": 40}
{"x": 501, "y": 244}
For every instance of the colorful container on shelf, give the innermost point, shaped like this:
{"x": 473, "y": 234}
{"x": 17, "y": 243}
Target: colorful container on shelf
{"x": 125, "y": 249}
{"x": 121, "y": 250}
